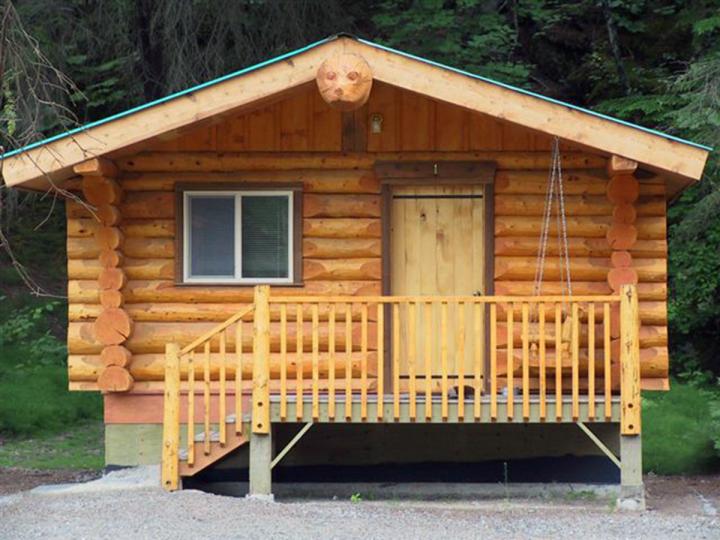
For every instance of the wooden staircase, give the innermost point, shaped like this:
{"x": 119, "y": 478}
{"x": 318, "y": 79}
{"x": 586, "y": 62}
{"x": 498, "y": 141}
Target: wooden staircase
{"x": 201, "y": 454}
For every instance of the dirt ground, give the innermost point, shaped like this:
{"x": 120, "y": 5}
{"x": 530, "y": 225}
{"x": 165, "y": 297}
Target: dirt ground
{"x": 13, "y": 480}
{"x": 678, "y": 507}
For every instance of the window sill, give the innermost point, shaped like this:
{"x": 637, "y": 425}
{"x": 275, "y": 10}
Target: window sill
{"x": 186, "y": 284}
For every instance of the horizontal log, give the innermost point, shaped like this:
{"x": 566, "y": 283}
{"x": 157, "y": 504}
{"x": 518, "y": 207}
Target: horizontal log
{"x": 581, "y": 268}
{"x": 151, "y": 367}
{"x": 148, "y": 228}
{"x": 649, "y": 228}
{"x": 313, "y": 180}
{"x": 646, "y": 291}
{"x": 337, "y": 248}
{"x": 133, "y": 268}
{"x": 574, "y": 183}
{"x": 342, "y": 269}
{"x": 341, "y": 206}
{"x": 578, "y": 247}
{"x": 151, "y": 337}
{"x": 203, "y": 312}
{"x": 342, "y": 228}
{"x": 575, "y": 205}
{"x": 237, "y": 161}
{"x": 150, "y": 204}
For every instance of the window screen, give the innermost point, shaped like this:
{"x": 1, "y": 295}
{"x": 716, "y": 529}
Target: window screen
{"x": 241, "y": 236}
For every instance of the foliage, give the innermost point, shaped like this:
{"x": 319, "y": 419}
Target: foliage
{"x": 681, "y": 430}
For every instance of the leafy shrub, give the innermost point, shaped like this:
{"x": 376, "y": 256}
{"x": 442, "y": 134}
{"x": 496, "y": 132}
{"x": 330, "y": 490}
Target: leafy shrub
{"x": 680, "y": 435}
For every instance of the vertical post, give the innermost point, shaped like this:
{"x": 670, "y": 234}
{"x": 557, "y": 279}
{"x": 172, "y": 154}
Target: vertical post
{"x": 629, "y": 361}
{"x": 261, "y": 433}
{"x": 261, "y": 361}
{"x": 171, "y": 418}
{"x": 632, "y": 491}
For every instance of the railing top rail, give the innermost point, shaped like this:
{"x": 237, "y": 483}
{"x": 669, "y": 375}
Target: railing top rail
{"x": 216, "y": 330}
{"x": 280, "y": 299}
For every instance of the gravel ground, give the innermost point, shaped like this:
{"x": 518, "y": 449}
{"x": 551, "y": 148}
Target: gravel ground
{"x": 153, "y": 514}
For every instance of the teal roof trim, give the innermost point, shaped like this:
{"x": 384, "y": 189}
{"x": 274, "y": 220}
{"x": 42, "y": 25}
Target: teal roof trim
{"x": 301, "y": 50}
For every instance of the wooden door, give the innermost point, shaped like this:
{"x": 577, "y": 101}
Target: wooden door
{"x": 438, "y": 249}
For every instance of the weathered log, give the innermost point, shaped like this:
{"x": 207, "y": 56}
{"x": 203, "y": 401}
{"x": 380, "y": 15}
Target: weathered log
{"x": 623, "y": 189}
{"x": 626, "y": 213}
{"x": 574, "y": 183}
{"x": 83, "y": 290}
{"x": 133, "y": 268}
{"x": 110, "y": 258}
{"x": 342, "y": 228}
{"x": 334, "y": 248}
{"x": 620, "y": 165}
{"x": 148, "y": 205}
{"x": 115, "y": 379}
{"x": 341, "y": 206}
{"x": 112, "y": 327}
{"x": 342, "y": 269}
{"x": 149, "y": 228}
{"x": 82, "y": 248}
{"x": 149, "y": 248}
{"x": 115, "y": 355}
{"x": 108, "y": 214}
{"x": 81, "y": 227}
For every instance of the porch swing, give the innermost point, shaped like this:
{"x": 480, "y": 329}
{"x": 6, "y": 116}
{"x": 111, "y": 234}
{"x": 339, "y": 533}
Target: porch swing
{"x": 554, "y": 195}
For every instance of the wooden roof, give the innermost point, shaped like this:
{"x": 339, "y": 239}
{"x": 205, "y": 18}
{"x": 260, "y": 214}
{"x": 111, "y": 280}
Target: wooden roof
{"x": 55, "y": 157}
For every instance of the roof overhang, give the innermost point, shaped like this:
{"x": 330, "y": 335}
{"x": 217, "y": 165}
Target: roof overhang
{"x": 55, "y": 158}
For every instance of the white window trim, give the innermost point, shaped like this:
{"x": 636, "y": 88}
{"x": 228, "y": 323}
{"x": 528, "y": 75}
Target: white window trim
{"x": 237, "y": 194}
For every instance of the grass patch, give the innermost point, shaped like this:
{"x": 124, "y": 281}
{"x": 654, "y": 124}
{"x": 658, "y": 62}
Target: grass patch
{"x": 80, "y": 447}
{"x": 679, "y": 431}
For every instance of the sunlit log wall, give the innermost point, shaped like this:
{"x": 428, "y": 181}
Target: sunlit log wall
{"x": 299, "y": 139}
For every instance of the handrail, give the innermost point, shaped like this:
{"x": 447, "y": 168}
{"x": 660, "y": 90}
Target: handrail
{"x": 282, "y": 299}
{"x": 216, "y": 330}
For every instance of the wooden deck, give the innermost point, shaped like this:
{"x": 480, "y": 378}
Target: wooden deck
{"x": 546, "y": 359}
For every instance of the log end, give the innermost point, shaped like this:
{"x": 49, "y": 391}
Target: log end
{"x": 115, "y": 379}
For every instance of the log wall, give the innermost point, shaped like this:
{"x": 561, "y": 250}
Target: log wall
{"x": 299, "y": 139}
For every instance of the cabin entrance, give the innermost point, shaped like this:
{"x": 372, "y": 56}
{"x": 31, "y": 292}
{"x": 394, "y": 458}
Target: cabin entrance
{"x": 437, "y": 249}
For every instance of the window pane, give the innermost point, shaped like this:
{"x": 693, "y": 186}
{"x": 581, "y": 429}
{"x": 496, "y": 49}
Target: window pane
{"x": 265, "y": 236}
{"x": 212, "y": 236}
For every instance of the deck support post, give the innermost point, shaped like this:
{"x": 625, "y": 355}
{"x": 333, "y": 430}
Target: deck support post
{"x": 261, "y": 466}
{"x": 632, "y": 490}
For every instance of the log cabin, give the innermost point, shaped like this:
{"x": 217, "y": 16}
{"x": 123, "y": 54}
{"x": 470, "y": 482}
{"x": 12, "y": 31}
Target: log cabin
{"x": 356, "y": 238}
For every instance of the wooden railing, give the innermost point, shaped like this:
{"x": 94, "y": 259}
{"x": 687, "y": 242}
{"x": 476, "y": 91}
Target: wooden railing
{"x": 351, "y": 358}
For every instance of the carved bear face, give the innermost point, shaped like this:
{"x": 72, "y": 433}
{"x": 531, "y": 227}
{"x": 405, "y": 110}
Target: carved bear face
{"x": 345, "y": 81}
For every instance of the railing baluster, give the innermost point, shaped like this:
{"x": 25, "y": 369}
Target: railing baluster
{"x": 591, "y": 361}
{"x": 348, "y": 361}
{"x": 510, "y": 385}
{"x": 558, "y": 363}
{"x": 315, "y": 362}
{"x": 206, "y": 399}
{"x": 223, "y": 391}
{"x": 428, "y": 316}
{"x": 363, "y": 360}
{"x": 444, "y": 390}
{"x": 380, "y": 359}
{"x": 299, "y": 361}
{"x": 411, "y": 361}
{"x": 543, "y": 358}
{"x": 283, "y": 362}
{"x": 478, "y": 367}
{"x": 396, "y": 359}
{"x": 493, "y": 362}
{"x": 331, "y": 360}
{"x": 575, "y": 351}
{"x": 191, "y": 410}
{"x": 525, "y": 361}
{"x": 239, "y": 377}
{"x": 460, "y": 359}
{"x": 607, "y": 373}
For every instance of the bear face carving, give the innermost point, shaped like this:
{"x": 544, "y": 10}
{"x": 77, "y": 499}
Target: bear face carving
{"x": 345, "y": 81}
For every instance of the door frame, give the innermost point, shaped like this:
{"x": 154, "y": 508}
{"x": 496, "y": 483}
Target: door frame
{"x": 434, "y": 172}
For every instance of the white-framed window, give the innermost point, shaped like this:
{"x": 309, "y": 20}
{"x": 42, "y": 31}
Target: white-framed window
{"x": 238, "y": 236}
